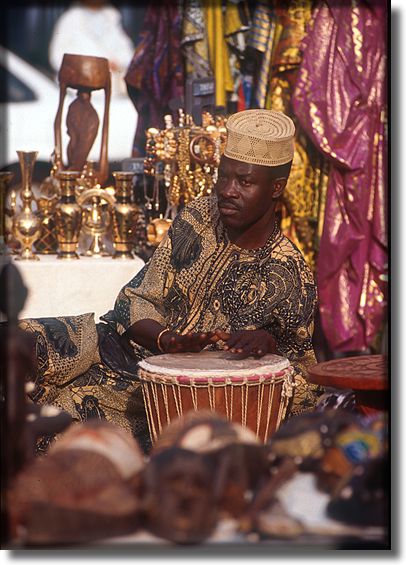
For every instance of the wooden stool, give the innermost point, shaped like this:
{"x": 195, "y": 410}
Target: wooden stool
{"x": 366, "y": 375}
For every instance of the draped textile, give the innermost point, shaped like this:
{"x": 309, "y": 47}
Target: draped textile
{"x": 277, "y": 31}
{"x": 304, "y": 195}
{"x": 194, "y": 43}
{"x": 71, "y": 374}
{"x": 340, "y": 100}
{"x": 236, "y": 27}
{"x": 155, "y": 74}
{"x": 261, "y": 38}
{"x": 218, "y": 51}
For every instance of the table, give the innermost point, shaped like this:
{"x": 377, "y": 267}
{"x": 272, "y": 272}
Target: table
{"x": 366, "y": 375}
{"x": 59, "y": 287}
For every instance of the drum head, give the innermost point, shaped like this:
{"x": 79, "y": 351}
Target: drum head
{"x": 213, "y": 363}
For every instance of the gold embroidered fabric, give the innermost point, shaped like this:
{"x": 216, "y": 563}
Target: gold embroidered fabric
{"x": 277, "y": 32}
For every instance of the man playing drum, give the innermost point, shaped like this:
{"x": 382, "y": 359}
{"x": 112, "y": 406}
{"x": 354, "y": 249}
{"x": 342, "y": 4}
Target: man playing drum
{"x": 224, "y": 276}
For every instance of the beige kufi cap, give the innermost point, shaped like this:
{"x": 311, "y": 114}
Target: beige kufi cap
{"x": 262, "y": 137}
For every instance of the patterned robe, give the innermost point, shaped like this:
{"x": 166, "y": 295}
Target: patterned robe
{"x": 197, "y": 280}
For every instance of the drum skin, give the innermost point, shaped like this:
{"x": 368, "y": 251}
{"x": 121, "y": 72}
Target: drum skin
{"x": 255, "y": 393}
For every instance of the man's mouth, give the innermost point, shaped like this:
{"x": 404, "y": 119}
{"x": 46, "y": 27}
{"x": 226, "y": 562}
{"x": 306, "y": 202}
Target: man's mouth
{"x": 227, "y": 209}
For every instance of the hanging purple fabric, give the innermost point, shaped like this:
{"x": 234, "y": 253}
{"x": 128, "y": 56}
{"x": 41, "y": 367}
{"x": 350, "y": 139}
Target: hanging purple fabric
{"x": 155, "y": 75}
{"x": 340, "y": 100}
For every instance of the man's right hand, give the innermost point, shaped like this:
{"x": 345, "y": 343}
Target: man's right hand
{"x": 171, "y": 342}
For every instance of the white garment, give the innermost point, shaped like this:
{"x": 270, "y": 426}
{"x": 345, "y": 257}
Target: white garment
{"x": 85, "y": 31}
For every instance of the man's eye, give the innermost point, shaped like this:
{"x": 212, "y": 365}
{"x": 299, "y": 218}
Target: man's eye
{"x": 245, "y": 182}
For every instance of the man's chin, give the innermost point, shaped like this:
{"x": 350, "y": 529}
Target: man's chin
{"x": 230, "y": 222}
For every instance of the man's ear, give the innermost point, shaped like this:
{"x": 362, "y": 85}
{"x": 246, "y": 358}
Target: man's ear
{"x": 278, "y": 186}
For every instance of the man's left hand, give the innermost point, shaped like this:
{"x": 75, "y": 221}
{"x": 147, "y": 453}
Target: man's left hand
{"x": 248, "y": 342}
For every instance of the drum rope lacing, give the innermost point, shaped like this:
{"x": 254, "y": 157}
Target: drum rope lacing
{"x": 151, "y": 381}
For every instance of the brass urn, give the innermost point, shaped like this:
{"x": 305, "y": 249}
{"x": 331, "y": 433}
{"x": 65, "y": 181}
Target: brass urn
{"x": 5, "y": 178}
{"x": 125, "y": 215}
{"x": 26, "y": 224}
{"x": 68, "y": 216}
{"x": 156, "y": 230}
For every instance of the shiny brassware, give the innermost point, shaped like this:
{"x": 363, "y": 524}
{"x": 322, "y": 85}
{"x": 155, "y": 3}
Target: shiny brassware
{"x": 97, "y": 205}
{"x": 68, "y": 216}
{"x": 156, "y": 230}
{"x": 47, "y": 242}
{"x": 26, "y": 224}
{"x": 125, "y": 215}
{"x": 5, "y": 178}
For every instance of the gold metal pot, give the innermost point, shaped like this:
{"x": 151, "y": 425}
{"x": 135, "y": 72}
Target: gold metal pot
{"x": 156, "y": 230}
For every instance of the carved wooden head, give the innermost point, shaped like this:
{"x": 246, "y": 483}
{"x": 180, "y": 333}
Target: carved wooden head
{"x": 180, "y": 500}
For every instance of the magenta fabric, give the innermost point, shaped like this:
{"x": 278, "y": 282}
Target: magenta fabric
{"x": 340, "y": 100}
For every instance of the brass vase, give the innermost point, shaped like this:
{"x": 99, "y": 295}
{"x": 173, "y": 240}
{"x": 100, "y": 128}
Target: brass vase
{"x": 47, "y": 242}
{"x": 125, "y": 215}
{"x": 68, "y": 216}
{"x": 5, "y": 178}
{"x": 26, "y": 224}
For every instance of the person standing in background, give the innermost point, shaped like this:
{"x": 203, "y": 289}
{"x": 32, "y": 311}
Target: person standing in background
{"x": 93, "y": 27}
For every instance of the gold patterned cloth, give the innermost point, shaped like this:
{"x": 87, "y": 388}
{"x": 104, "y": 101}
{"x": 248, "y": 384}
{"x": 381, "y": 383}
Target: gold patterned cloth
{"x": 72, "y": 375}
{"x": 304, "y": 195}
{"x": 198, "y": 281}
{"x": 277, "y": 32}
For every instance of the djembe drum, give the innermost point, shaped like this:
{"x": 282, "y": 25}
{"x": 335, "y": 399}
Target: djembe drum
{"x": 255, "y": 393}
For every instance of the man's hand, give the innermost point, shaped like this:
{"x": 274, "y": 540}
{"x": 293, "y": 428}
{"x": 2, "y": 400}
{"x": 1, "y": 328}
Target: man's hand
{"x": 172, "y": 342}
{"x": 248, "y": 342}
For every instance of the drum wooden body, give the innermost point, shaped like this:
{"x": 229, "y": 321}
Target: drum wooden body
{"x": 252, "y": 392}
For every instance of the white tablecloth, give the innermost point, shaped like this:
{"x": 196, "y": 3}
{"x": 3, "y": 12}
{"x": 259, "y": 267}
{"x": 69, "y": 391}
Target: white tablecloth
{"x": 68, "y": 287}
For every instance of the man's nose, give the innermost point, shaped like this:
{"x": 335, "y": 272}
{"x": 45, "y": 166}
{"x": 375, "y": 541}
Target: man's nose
{"x": 228, "y": 189}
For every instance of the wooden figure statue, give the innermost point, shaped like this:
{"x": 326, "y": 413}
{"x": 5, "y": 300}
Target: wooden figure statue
{"x": 85, "y": 74}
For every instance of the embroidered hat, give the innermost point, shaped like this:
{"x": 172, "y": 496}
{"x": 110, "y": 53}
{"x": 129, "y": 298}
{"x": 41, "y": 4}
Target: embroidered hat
{"x": 262, "y": 137}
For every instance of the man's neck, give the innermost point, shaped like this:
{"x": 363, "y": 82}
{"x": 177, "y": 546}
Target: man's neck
{"x": 254, "y": 236}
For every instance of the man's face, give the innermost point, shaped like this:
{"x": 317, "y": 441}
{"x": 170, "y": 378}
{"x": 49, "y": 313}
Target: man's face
{"x": 244, "y": 193}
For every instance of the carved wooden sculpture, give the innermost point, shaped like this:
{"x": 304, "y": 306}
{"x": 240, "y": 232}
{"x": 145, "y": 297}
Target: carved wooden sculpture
{"x": 85, "y": 74}
{"x": 83, "y": 490}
